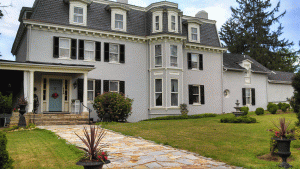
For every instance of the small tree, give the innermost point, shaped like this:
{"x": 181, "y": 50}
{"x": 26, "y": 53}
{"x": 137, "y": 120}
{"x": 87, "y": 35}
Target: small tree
{"x": 296, "y": 99}
{"x": 119, "y": 106}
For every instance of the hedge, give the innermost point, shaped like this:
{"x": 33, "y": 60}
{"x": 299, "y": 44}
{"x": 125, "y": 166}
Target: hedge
{"x": 241, "y": 119}
{"x": 5, "y": 160}
{"x": 196, "y": 116}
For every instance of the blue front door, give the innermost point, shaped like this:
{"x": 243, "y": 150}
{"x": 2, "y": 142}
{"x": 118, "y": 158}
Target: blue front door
{"x": 55, "y": 95}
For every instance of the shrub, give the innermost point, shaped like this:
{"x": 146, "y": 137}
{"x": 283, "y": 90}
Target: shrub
{"x": 241, "y": 119}
{"x": 269, "y": 106}
{"x": 5, "y": 103}
{"x": 273, "y": 109}
{"x": 196, "y": 116}
{"x": 245, "y": 110}
{"x": 259, "y": 111}
{"x": 284, "y": 107}
{"x": 5, "y": 160}
{"x": 119, "y": 106}
{"x": 280, "y": 105}
{"x": 183, "y": 109}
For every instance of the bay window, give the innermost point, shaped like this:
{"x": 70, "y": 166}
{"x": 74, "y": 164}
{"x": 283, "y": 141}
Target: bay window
{"x": 158, "y": 56}
{"x": 174, "y": 92}
{"x": 173, "y": 56}
{"x": 158, "y": 92}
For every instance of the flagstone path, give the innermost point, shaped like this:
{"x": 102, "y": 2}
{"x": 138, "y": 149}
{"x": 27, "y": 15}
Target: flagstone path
{"x": 131, "y": 152}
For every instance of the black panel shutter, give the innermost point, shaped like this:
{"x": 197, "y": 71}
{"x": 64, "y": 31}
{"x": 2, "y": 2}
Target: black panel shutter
{"x": 244, "y": 96}
{"x": 122, "y": 53}
{"x": 105, "y": 85}
{"x": 73, "y": 48}
{"x": 122, "y": 87}
{"x": 200, "y": 62}
{"x": 191, "y": 96}
{"x": 189, "y": 55}
{"x": 202, "y": 94}
{"x": 106, "y": 52}
{"x": 253, "y": 96}
{"x": 97, "y": 87}
{"x": 98, "y": 51}
{"x": 80, "y": 90}
{"x": 55, "y": 47}
{"x": 81, "y": 50}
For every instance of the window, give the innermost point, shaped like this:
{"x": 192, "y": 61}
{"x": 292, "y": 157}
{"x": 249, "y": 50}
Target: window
{"x": 248, "y": 96}
{"x": 158, "y": 92}
{"x": 118, "y": 21}
{"x": 113, "y": 53}
{"x": 158, "y": 57}
{"x": 78, "y": 15}
{"x": 195, "y": 61}
{"x": 173, "y": 23}
{"x": 196, "y": 94}
{"x": 174, "y": 92}
{"x": 173, "y": 57}
{"x": 66, "y": 90}
{"x": 114, "y": 86}
{"x": 91, "y": 90}
{"x": 157, "y": 23}
{"x": 64, "y": 48}
{"x": 44, "y": 89}
{"x": 194, "y": 34}
{"x": 89, "y": 50}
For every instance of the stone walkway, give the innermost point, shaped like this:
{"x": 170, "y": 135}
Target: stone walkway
{"x": 137, "y": 153}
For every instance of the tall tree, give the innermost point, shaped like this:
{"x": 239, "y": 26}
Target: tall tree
{"x": 1, "y": 15}
{"x": 248, "y": 31}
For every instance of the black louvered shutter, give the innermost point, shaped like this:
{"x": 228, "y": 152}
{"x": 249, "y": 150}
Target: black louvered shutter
{"x": 244, "y": 96}
{"x": 81, "y": 50}
{"x": 202, "y": 94}
{"x": 105, "y": 85}
{"x": 253, "y": 96}
{"x": 191, "y": 96}
{"x": 122, "y": 87}
{"x": 55, "y": 47}
{"x": 98, "y": 51}
{"x": 106, "y": 52}
{"x": 189, "y": 58}
{"x": 80, "y": 89}
{"x": 122, "y": 53}
{"x": 200, "y": 62}
{"x": 73, "y": 48}
{"x": 97, "y": 87}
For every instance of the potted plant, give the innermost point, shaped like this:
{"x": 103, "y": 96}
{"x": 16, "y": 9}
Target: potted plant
{"x": 22, "y": 103}
{"x": 283, "y": 136}
{"x": 95, "y": 158}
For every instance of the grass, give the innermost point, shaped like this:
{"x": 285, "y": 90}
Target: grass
{"x": 41, "y": 149}
{"x": 235, "y": 144}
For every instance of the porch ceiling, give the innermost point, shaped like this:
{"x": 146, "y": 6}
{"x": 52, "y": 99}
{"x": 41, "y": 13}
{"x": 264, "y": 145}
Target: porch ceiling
{"x": 45, "y": 67}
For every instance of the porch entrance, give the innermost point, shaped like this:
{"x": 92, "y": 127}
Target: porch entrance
{"x": 55, "y": 95}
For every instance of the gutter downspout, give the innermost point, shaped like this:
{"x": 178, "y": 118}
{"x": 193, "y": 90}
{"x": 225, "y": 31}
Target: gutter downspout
{"x": 28, "y": 43}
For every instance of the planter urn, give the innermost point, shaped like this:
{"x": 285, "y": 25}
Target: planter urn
{"x": 22, "y": 120}
{"x": 22, "y": 109}
{"x": 92, "y": 164}
{"x": 284, "y": 152}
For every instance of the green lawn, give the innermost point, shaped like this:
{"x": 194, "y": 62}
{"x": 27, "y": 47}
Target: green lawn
{"x": 41, "y": 149}
{"x": 235, "y": 144}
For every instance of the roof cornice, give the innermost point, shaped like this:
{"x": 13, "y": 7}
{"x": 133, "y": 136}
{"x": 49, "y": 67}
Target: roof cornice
{"x": 194, "y": 46}
{"x": 200, "y": 19}
{"x": 279, "y": 82}
{"x": 83, "y": 1}
{"x": 117, "y": 6}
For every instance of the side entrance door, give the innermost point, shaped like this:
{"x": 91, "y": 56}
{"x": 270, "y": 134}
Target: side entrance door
{"x": 55, "y": 95}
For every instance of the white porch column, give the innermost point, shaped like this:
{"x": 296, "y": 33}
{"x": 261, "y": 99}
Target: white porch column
{"x": 30, "y": 92}
{"x": 85, "y": 83}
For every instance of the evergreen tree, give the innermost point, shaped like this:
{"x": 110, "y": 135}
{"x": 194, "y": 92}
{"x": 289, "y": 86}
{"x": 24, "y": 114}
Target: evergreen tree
{"x": 1, "y": 15}
{"x": 248, "y": 32}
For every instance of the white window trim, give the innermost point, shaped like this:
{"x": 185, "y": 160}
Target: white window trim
{"x": 74, "y": 4}
{"x": 172, "y": 55}
{"x": 115, "y": 62}
{"x": 198, "y": 104}
{"x": 118, "y": 91}
{"x": 121, "y": 21}
{"x": 174, "y": 93}
{"x": 160, "y": 15}
{"x": 93, "y": 80}
{"x": 162, "y": 92}
{"x": 190, "y": 26}
{"x": 113, "y": 15}
{"x": 170, "y": 14}
{"x": 89, "y": 50}
{"x": 197, "y": 61}
{"x": 69, "y": 57}
{"x": 250, "y": 92}
{"x": 157, "y": 66}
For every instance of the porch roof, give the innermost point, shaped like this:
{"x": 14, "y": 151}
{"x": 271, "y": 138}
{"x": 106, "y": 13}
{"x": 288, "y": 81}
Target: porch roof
{"x": 44, "y": 67}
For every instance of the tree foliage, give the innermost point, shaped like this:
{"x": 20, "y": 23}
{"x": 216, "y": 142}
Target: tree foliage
{"x": 248, "y": 31}
{"x": 295, "y": 102}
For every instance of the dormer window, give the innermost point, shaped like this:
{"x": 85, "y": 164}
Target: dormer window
{"x": 118, "y": 21}
{"x": 157, "y": 21}
{"x": 78, "y": 15}
{"x": 173, "y": 21}
{"x": 194, "y": 34}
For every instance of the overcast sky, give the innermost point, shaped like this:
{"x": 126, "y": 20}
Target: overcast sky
{"x": 218, "y": 10}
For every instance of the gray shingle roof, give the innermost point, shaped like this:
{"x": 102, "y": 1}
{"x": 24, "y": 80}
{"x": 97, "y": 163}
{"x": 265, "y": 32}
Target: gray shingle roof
{"x": 281, "y": 76}
{"x": 231, "y": 61}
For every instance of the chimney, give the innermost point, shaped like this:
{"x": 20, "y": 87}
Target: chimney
{"x": 202, "y": 14}
{"x": 123, "y": 1}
